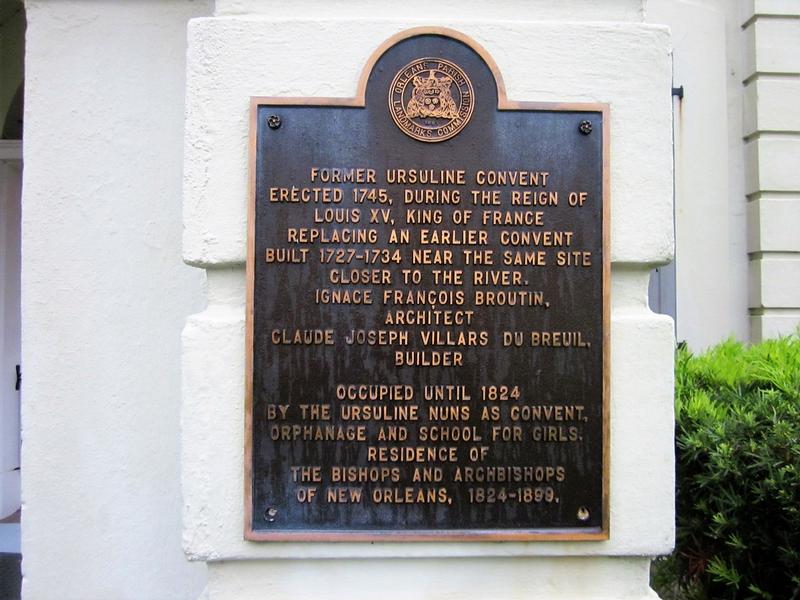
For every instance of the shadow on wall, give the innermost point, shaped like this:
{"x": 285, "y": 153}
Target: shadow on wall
{"x": 12, "y": 128}
{"x": 10, "y": 579}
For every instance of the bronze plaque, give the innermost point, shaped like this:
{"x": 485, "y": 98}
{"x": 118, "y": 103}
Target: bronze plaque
{"x": 427, "y": 317}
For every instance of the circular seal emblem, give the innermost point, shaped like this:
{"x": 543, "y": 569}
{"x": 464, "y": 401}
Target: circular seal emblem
{"x": 431, "y": 99}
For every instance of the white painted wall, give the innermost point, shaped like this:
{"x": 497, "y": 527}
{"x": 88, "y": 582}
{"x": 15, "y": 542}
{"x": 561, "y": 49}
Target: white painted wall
{"x": 737, "y": 148}
{"x": 710, "y": 215}
{"x": 105, "y": 295}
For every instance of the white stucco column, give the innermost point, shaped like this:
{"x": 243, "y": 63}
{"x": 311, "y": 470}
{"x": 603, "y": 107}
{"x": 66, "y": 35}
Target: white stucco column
{"x": 104, "y": 298}
{"x": 544, "y": 54}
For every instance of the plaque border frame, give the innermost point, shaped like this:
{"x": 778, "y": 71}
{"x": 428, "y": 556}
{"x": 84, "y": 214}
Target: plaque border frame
{"x": 597, "y": 534}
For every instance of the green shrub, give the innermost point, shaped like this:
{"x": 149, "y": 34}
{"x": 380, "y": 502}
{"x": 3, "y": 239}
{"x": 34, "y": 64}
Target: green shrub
{"x": 737, "y": 411}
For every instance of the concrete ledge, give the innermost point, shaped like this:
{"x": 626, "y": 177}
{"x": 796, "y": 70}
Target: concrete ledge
{"x": 772, "y": 46}
{"x": 445, "y": 579}
{"x": 775, "y": 282}
{"x": 773, "y": 223}
{"x": 771, "y": 325}
{"x": 771, "y": 164}
{"x": 771, "y": 105}
{"x": 519, "y": 10}
{"x": 769, "y": 8}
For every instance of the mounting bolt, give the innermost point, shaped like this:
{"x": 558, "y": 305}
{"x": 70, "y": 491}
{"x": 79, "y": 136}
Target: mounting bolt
{"x": 271, "y": 513}
{"x": 274, "y": 121}
{"x": 583, "y": 514}
{"x": 585, "y": 127}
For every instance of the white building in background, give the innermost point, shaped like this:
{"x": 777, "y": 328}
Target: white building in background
{"x": 94, "y": 192}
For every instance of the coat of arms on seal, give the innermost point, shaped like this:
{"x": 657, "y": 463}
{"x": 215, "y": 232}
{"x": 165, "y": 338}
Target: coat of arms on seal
{"x": 431, "y": 99}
